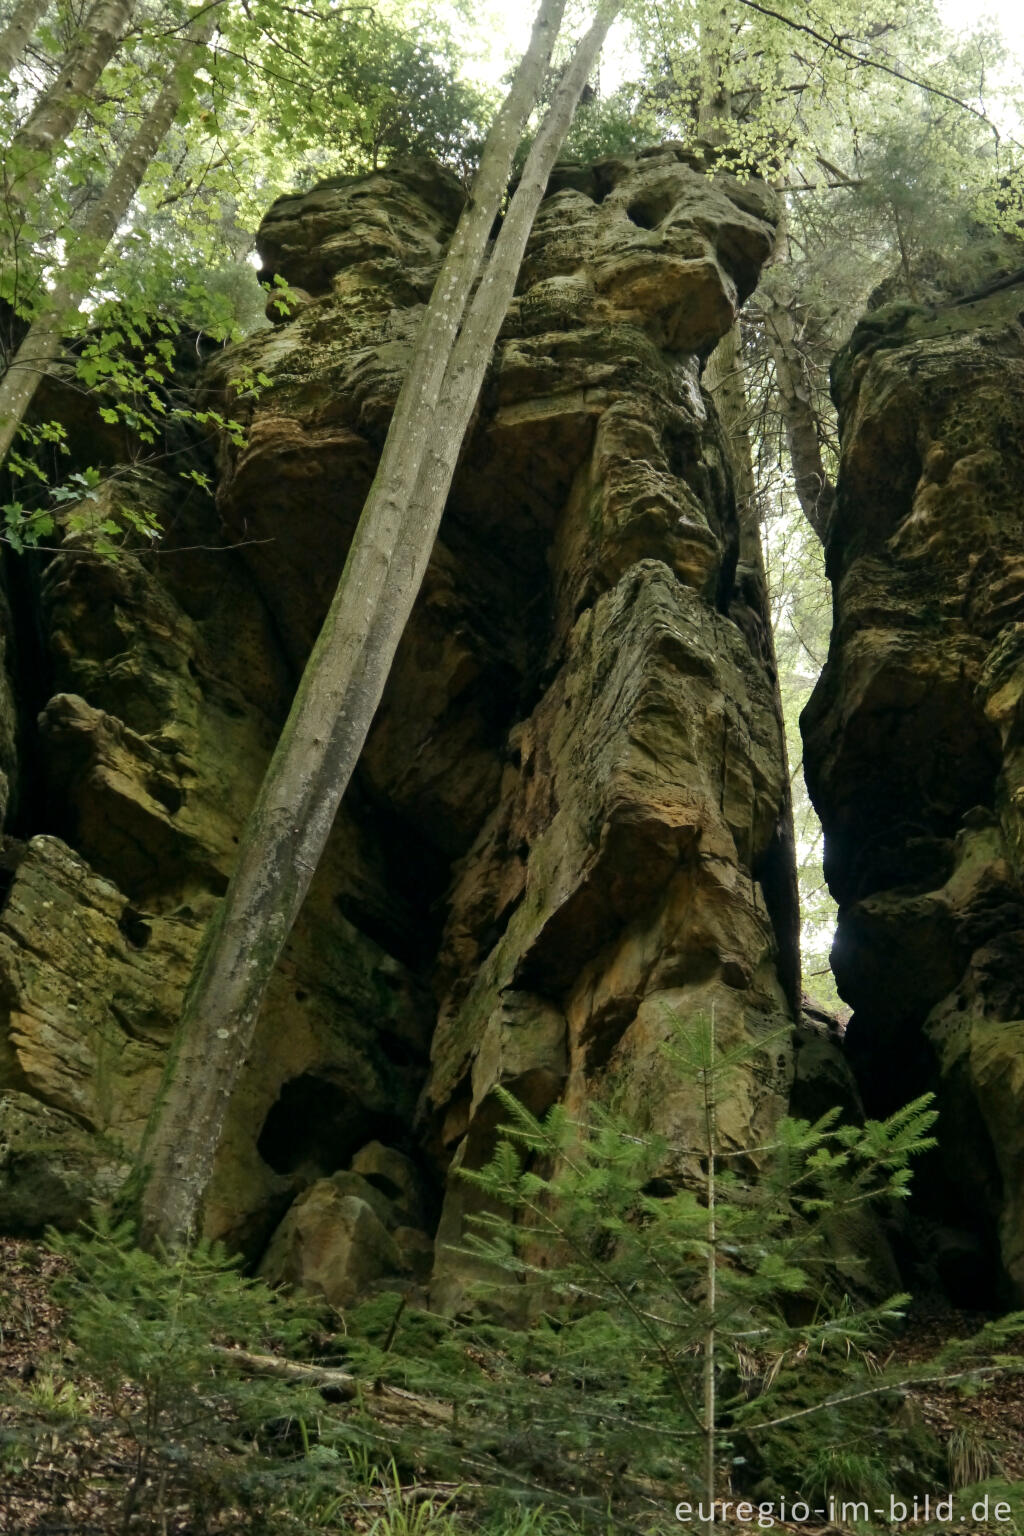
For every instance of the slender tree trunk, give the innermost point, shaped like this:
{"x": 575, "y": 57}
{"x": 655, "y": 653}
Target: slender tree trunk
{"x": 724, "y": 377}
{"x": 714, "y": 111}
{"x": 33, "y": 147}
{"x": 17, "y": 34}
{"x": 42, "y": 344}
{"x": 711, "y": 1278}
{"x": 476, "y": 341}
{"x": 412, "y": 425}
{"x": 334, "y": 707}
{"x": 815, "y": 491}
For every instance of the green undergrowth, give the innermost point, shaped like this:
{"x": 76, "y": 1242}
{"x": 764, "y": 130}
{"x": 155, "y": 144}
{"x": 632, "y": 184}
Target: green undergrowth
{"x": 508, "y": 1430}
{"x": 661, "y": 1323}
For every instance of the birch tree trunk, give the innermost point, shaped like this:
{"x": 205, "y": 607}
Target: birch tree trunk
{"x": 472, "y": 352}
{"x": 815, "y": 491}
{"x": 714, "y": 109}
{"x": 42, "y": 344}
{"x": 59, "y": 107}
{"x": 724, "y": 376}
{"x": 17, "y": 34}
{"x": 710, "y": 1275}
{"x": 412, "y": 425}
{"x": 337, "y": 698}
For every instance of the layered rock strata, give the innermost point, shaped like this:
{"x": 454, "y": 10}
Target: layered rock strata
{"x": 568, "y": 824}
{"x": 914, "y": 746}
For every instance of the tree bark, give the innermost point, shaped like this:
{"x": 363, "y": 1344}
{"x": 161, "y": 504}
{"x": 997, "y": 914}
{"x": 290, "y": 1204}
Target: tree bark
{"x": 490, "y": 305}
{"x": 42, "y": 344}
{"x": 710, "y": 1275}
{"x": 714, "y": 111}
{"x": 815, "y": 491}
{"x": 59, "y": 107}
{"x": 333, "y": 709}
{"x": 412, "y": 424}
{"x": 17, "y": 34}
{"x": 725, "y": 379}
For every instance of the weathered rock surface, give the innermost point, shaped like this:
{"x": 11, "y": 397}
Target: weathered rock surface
{"x": 577, "y": 714}
{"x": 360, "y": 1228}
{"x": 914, "y": 746}
{"x": 568, "y": 823}
{"x": 172, "y": 689}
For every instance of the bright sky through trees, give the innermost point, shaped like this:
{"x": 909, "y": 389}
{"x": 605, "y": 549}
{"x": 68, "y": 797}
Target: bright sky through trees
{"x": 1007, "y": 14}
{"x": 504, "y": 26}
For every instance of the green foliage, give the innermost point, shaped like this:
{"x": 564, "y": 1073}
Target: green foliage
{"x": 133, "y": 372}
{"x": 601, "y": 1239}
{"x": 156, "y": 1336}
{"x": 282, "y": 95}
{"x": 58, "y": 1400}
{"x": 603, "y": 126}
{"x": 405, "y": 1515}
{"x": 968, "y": 1457}
{"x": 587, "y": 1420}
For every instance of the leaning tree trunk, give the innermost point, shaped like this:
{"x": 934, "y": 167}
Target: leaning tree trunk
{"x": 337, "y": 698}
{"x": 725, "y": 378}
{"x": 42, "y": 344}
{"x": 33, "y": 147}
{"x": 815, "y": 491}
{"x": 17, "y": 34}
{"x": 412, "y": 425}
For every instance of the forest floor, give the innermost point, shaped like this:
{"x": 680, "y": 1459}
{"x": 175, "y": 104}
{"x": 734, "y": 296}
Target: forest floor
{"x": 67, "y": 1458}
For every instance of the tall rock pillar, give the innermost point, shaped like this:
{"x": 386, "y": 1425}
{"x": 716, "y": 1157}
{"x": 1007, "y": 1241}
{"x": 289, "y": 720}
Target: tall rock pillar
{"x": 914, "y": 745}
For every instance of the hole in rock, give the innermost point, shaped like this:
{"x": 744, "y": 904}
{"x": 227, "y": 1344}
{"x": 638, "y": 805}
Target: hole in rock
{"x": 169, "y": 795}
{"x": 315, "y": 1126}
{"x": 134, "y": 928}
{"x": 12, "y": 851}
{"x": 605, "y": 179}
{"x": 645, "y": 215}
{"x": 400, "y": 1050}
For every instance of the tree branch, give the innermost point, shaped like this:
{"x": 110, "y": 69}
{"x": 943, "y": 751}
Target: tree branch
{"x": 835, "y": 46}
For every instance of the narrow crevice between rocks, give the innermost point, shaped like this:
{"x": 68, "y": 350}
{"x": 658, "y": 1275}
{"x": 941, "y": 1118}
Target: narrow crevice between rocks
{"x": 29, "y": 667}
{"x": 946, "y": 1240}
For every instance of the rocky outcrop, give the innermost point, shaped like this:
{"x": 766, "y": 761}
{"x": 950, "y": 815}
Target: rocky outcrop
{"x": 914, "y": 746}
{"x": 170, "y": 688}
{"x": 568, "y": 825}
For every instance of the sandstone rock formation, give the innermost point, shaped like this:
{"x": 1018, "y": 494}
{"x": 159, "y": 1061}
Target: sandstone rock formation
{"x": 569, "y": 820}
{"x": 914, "y": 746}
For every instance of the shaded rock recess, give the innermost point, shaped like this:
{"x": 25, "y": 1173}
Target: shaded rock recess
{"x": 914, "y": 747}
{"x": 570, "y": 808}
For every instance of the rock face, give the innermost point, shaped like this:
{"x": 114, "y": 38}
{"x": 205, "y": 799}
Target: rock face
{"x": 171, "y": 686}
{"x": 569, "y": 820}
{"x": 914, "y": 746}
